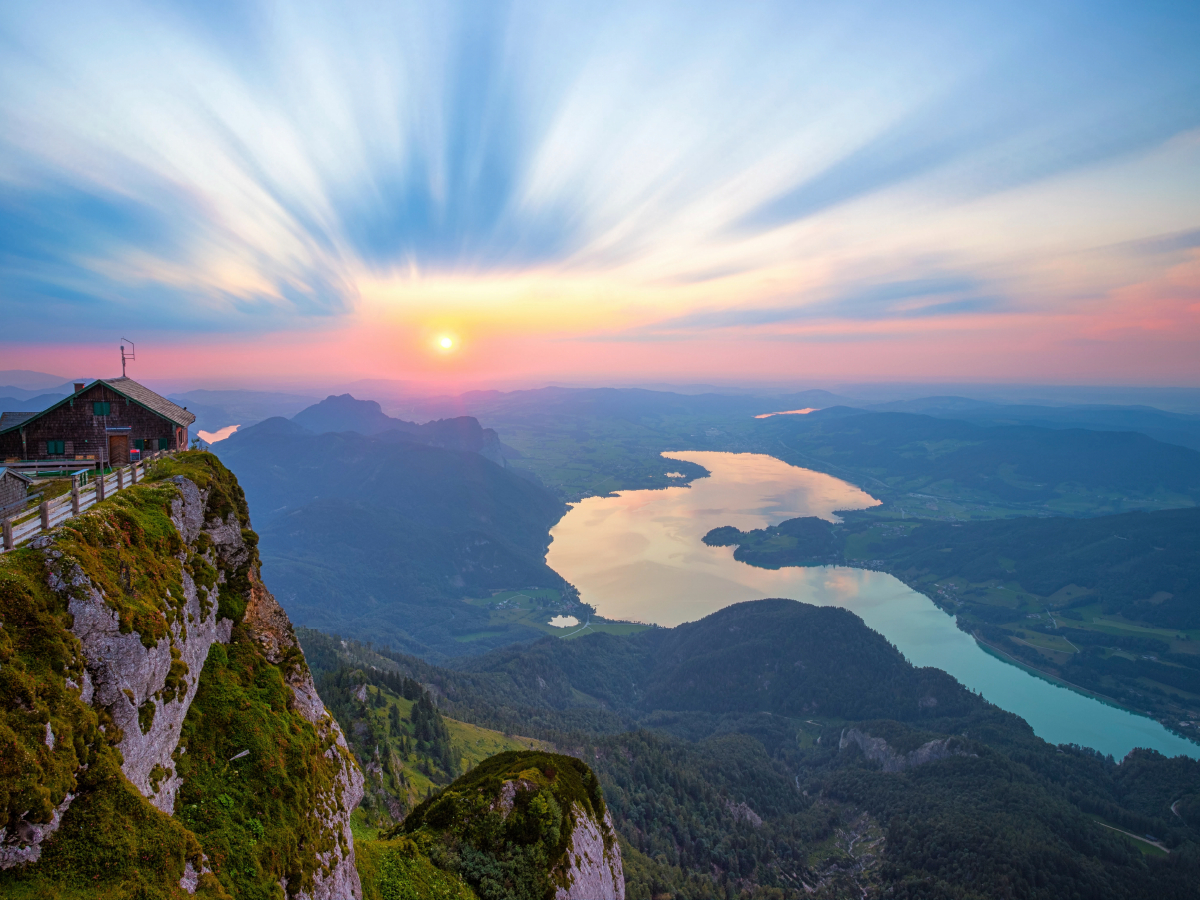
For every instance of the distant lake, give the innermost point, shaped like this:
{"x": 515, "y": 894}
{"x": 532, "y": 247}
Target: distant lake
{"x": 639, "y": 556}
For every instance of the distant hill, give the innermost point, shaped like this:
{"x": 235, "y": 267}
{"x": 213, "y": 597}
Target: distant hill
{"x": 215, "y": 410}
{"x": 31, "y": 404}
{"x": 767, "y": 656}
{"x": 1020, "y": 468}
{"x": 1168, "y": 427}
{"x": 345, "y": 413}
{"x": 27, "y": 380}
{"x": 583, "y": 442}
{"x": 379, "y": 536}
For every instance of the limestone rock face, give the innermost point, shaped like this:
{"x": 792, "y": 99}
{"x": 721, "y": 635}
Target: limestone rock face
{"x": 594, "y": 871}
{"x": 880, "y": 751}
{"x": 25, "y": 846}
{"x": 132, "y": 680}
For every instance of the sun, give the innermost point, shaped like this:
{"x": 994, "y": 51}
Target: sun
{"x": 445, "y": 342}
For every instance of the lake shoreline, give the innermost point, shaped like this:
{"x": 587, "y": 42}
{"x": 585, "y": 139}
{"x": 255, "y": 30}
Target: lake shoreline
{"x": 640, "y": 555}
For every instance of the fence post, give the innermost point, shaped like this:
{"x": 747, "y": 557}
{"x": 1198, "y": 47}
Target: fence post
{"x": 44, "y": 509}
{"x": 100, "y": 487}
{"x": 133, "y": 473}
{"x": 75, "y": 494}
{"x": 121, "y": 479}
{"x": 8, "y": 535}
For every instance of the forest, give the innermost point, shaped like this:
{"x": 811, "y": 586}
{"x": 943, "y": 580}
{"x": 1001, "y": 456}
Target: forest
{"x": 722, "y": 750}
{"x": 1110, "y": 604}
{"x": 379, "y": 536}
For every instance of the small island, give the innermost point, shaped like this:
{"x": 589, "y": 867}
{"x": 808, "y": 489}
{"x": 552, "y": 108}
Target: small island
{"x": 806, "y": 541}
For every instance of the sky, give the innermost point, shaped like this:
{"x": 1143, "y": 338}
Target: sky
{"x": 272, "y": 192}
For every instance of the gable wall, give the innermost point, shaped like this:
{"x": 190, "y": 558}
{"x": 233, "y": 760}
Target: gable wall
{"x": 12, "y": 491}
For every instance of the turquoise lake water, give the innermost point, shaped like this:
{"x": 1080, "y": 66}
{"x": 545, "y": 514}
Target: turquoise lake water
{"x": 639, "y": 556}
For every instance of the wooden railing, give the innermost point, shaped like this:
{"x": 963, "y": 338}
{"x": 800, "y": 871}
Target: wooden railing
{"x": 28, "y": 523}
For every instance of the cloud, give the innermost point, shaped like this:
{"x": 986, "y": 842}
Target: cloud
{"x": 935, "y": 295}
{"x": 250, "y": 166}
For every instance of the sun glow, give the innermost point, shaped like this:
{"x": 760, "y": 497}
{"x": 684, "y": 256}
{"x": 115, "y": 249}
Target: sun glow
{"x": 445, "y": 342}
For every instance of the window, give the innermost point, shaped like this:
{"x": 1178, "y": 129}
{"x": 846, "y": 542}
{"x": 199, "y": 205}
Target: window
{"x": 56, "y": 448}
{"x": 139, "y": 443}
{"x": 101, "y": 408}
{"x": 164, "y": 443}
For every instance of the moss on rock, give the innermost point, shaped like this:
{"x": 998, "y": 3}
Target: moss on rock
{"x": 506, "y": 826}
{"x": 41, "y": 669}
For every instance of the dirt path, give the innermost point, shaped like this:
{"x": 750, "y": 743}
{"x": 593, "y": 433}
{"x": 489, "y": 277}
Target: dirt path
{"x": 1138, "y": 837}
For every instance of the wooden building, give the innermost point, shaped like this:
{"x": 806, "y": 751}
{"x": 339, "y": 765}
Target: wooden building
{"x": 13, "y": 488}
{"x": 99, "y": 424}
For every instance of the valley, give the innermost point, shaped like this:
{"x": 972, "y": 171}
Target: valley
{"x": 455, "y": 612}
{"x": 722, "y": 747}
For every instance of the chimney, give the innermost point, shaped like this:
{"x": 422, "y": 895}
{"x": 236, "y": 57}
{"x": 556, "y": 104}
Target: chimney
{"x": 79, "y": 386}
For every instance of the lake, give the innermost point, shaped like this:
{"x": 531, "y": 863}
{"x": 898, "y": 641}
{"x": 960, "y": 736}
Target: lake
{"x": 639, "y": 555}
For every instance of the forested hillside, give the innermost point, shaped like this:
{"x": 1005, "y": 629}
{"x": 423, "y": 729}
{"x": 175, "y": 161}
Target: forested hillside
{"x": 775, "y": 749}
{"x": 1110, "y": 604}
{"x": 379, "y": 537}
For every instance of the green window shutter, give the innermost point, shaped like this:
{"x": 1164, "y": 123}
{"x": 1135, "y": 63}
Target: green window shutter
{"x": 101, "y": 407}
{"x": 56, "y": 448}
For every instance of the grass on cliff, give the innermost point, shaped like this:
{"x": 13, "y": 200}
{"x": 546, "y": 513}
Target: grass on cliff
{"x": 396, "y": 869}
{"x": 258, "y": 817}
{"x": 208, "y": 473}
{"x": 37, "y": 656}
{"x": 112, "y": 843}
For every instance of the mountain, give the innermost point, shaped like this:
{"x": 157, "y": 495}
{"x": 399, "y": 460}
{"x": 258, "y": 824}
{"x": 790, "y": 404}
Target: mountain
{"x": 26, "y": 380}
{"x": 381, "y": 537}
{"x": 215, "y": 410}
{"x": 35, "y": 403}
{"x": 776, "y": 749}
{"x": 584, "y": 442}
{"x": 162, "y": 734}
{"x": 345, "y": 413}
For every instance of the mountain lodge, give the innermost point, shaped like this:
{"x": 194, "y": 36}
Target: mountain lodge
{"x": 100, "y": 423}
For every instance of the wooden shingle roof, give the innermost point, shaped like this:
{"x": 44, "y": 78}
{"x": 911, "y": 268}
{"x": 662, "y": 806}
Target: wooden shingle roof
{"x": 126, "y": 387}
{"x": 142, "y": 395}
{"x": 9, "y": 419}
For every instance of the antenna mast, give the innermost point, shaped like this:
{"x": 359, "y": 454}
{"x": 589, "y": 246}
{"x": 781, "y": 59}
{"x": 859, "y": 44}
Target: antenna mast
{"x": 130, "y": 355}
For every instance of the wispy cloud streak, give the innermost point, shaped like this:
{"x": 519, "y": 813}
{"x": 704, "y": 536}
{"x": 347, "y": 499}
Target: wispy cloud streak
{"x": 698, "y": 167}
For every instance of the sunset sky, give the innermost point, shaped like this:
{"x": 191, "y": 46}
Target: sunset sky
{"x": 261, "y": 192}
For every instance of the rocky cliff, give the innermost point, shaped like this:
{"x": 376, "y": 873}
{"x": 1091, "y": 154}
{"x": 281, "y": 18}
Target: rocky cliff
{"x": 522, "y": 824}
{"x": 878, "y": 750}
{"x": 160, "y": 734}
